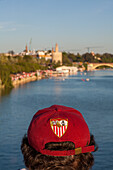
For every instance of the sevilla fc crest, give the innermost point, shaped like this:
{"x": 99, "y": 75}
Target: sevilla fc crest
{"x": 59, "y": 126}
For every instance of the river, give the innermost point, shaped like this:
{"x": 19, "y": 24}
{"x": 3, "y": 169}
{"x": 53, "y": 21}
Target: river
{"x": 93, "y": 98}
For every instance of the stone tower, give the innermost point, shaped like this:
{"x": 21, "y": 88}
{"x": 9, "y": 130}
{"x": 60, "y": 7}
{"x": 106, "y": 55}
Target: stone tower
{"x": 56, "y": 55}
{"x": 56, "y": 48}
{"x": 52, "y": 50}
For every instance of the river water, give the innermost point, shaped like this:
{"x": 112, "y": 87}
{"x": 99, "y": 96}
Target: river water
{"x": 93, "y": 98}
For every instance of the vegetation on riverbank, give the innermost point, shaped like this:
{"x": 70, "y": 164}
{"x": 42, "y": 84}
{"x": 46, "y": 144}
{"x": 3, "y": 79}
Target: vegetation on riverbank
{"x": 18, "y": 64}
{"x": 68, "y": 58}
{"x": 11, "y": 65}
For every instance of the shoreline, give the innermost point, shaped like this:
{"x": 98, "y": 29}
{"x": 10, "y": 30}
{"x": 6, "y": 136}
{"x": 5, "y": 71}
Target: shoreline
{"x": 20, "y": 79}
{"x": 40, "y": 75}
{"x": 24, "y": 77}
{"x": 16, "y": 83}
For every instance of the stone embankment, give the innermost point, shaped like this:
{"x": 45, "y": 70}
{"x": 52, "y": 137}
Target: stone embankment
{"x": 22, "y": 78}
{"x": 16, "y": 83}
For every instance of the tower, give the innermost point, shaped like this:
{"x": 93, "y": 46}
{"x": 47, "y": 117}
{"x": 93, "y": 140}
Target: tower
{"x": 52, "y": 50}
{"x": 56, "y": 48}
{"x": 56, "y": 55}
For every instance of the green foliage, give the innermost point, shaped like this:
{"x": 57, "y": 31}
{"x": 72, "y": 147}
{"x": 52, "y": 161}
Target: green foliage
{"x": 78, "y": 58}
{"x": 10, "y": 65}
{"x": 87, "y": 57}
{"x": 55, "y": 65}
{"x": 107, "y": 58}
{"x": 5, "y": 76}
{"x": 65, "y": 59}
{"x": 27, "y": 58}
{"x": 3, "y": 59}
{"x": 72, "y": 57}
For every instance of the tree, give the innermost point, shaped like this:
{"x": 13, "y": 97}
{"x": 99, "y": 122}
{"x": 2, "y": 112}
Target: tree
{"x": 27, "y": 58}
{"x": 87, "y": 57}
{"x": 65, "y": 59}
{"x": 5, "y": 76}
{"x": 11, "y": 52}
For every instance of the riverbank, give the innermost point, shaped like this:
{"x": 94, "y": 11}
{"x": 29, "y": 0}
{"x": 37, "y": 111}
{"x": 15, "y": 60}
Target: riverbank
{"x": 19, "y": 79}
{"x": 26, "y": 77}
{"x": 16, "y": 83}
{"x": 43, "y": 74}
{"x": 1, "y": 85}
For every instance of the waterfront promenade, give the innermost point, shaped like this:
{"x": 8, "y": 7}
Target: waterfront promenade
{"x": 22, "y": 78}
{"x": 19, "y": 79}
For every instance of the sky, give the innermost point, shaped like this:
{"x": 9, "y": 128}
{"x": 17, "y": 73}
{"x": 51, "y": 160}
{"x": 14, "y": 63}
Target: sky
{"x": 76, "y": 25}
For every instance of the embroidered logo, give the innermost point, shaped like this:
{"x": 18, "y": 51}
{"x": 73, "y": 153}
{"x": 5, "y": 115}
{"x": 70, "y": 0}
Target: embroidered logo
{"x": 59, "y": 126}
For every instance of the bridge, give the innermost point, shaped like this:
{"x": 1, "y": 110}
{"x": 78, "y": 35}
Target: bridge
{"x": 93, "y": 66}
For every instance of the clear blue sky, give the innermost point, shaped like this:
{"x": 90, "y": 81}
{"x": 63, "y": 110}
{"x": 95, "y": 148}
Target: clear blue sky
{"x": 73, "y": 24}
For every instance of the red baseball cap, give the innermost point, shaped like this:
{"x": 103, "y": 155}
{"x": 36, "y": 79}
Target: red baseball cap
{"x": 59, "y": 124}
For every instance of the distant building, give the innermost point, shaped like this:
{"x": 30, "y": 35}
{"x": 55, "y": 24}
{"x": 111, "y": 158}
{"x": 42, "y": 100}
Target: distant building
{"x": 93, "y": 54}
{"x": 43, "y": 54}
{"x": 56, "y": 55}
{"x": 67, "y": 69}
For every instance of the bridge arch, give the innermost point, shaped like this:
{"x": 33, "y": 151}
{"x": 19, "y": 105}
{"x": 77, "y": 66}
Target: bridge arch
{"x": 93, "y": 66}
{"x": 102, "y": 64}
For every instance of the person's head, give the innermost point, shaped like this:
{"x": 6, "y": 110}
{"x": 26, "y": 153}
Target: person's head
{"x": 58, "y": 138}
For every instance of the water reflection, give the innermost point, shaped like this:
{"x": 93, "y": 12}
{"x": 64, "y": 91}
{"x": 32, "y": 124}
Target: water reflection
{"x": 4, "y": 92}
